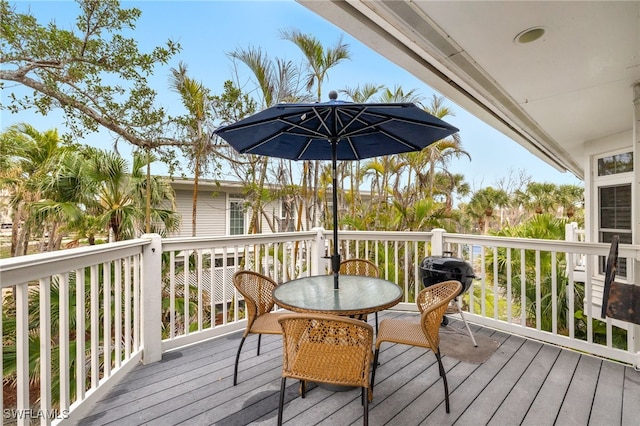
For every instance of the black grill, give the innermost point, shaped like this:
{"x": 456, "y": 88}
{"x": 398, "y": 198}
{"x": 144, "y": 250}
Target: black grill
{"x": 436, "y": 269}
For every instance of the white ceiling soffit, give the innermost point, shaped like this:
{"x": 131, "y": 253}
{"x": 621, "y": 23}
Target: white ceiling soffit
{"x": 486, "y": 82}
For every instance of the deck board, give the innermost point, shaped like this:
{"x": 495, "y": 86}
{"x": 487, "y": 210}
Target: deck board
{"x": 524, "y": 382}
{"x": 512, "y": 410}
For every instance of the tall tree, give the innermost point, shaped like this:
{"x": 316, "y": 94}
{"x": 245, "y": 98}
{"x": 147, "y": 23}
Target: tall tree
{"x": 571, "y": 199}
{"x": 34, "y": 156}
{"x": 277, "y": 81}
{"x": 319, "y": 61}
{"x": 540, "y": 197}
{"x": 119, "y": 190}
{"x": 95, "y": 74}
{"x": 196, "y": 126}
{"x": 440, "y": 152}
{"x": 360, "y": 94}
{"x": 483, "y": 203}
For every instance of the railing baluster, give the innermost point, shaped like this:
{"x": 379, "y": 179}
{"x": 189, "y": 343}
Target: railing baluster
{"x": 588, "y": 292}
{"x": 44, "y": 291}
{"x": 80, "y": 335}
{"x": 127, "y": 308}
{"x": 137, "y": 271}
{"x": 198, "y": 254}
{"x": 117, "y": 326}
{"x": 22, "y": 350}
{"x": 523, "y": 288}
{"x": 95, "y": 324}
{"x": 186, "y": 292}
{"x": 554, "y": 293}
{"x": 509, "y": 287}
{"x": 172, "y": 294}
{"x": 538, "y": 295}
{"x": 495, "y": 282}
{"x": 106, "y": 340}
{"x": 63, "y": 337}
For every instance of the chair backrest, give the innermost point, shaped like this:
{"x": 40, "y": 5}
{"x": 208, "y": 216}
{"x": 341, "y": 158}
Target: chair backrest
{"x": 359, "y": 267}
{"x": 257, "y": 290}
{"x": 432, "y": 303}
{"x": 326, "y": 348}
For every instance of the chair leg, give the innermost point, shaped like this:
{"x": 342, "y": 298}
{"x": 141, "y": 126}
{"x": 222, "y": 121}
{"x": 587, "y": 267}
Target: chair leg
{"x": 281, "y": 402}
{"x": 235, "y": 369}
{"x": 259, "y": 339}
{"x": 376, "y": 323}
{"x": 366, "y": 407}
{"x": 443, "y": 374}
{"x": 375, "y": 365}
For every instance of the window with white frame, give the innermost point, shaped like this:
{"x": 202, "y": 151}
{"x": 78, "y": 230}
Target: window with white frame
{"x": 236, "y": 217}
{"x": 613, "y": 185}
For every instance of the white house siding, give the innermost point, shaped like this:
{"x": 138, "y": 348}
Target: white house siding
{"x": 211, "y": 213}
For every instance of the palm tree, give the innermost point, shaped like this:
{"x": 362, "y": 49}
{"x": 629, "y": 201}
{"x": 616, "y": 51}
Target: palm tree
{"x": 539, "y": 197}
{"x": 121, "y": 193}
{"x": 277, "y": 81}
{"x": 447, "y": 184}
{"x": 362, "y": 94}
{"x": 197, "y": 127}
{"x": 32, "y": 156}
{"x": 66, "y": 195}
{"x": 398, "y": 95}
{"x": 319, "y": 61}
{"x": 440, "y": 152}
{"x": 570, "y": 198}
{"x": 485, "y": 201}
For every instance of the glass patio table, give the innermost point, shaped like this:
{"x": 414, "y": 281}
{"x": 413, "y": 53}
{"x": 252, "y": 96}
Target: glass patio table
{"x": 357, "y": 295}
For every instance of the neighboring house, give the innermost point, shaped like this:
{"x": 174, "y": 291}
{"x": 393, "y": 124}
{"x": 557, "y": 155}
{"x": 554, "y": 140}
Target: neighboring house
{"x": 222, "y": 209}
{"x": 562, "y": 79}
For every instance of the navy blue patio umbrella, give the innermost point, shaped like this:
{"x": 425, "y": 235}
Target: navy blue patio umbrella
{"x": 335, "y": 130}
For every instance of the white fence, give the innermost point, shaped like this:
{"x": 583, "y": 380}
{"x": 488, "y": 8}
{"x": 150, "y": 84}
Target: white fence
{"x": 132, "y": 301}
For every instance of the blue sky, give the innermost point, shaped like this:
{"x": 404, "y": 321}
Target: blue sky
{"x": 208, "y": 30}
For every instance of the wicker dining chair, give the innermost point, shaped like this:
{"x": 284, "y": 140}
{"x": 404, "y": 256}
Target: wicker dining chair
{"x": 360, "y": 267}
{"x": 327, "y": 349}
{"x": 257, "y": 290}
{"x": 423, "y": 332}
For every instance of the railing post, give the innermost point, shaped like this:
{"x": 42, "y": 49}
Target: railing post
{"x": 151, "y": 299}
{"x": 570, "y": 231}
{"x": 317, "y": 250}
{"x": 437, "y": 241}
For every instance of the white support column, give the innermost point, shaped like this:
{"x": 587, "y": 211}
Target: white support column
{"x": 437, "y": 242}
{"x": 634, "y": 330}
{"x": 151, "y": 300}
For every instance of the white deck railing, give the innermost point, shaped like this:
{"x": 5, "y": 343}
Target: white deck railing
{"x": 128, "y": 299}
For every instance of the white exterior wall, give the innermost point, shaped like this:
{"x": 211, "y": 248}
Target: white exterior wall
{"x": 211, "y": 212}
{"x": 594, "y": 149}
{"x": 213, "y": 209}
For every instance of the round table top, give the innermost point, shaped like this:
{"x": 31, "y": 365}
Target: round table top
{"x": 356, "y": 295}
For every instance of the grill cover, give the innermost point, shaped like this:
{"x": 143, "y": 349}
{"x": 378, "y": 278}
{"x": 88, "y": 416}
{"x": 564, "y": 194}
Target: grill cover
{"x": 436, "y": 269}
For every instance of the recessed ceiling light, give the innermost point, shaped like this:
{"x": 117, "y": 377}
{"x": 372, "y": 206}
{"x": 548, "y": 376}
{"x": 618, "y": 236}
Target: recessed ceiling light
{"x": 529, "y": 35}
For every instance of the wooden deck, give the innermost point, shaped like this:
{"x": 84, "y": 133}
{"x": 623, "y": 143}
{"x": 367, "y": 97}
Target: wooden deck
{"x": 523, "y": 382}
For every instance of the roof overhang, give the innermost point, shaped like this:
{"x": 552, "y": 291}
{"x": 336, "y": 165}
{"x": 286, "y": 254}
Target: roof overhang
{"x": 552, "y": 96}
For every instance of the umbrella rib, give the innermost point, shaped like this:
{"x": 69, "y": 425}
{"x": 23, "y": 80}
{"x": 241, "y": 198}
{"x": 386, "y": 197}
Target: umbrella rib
{"x": 305, "y": 132}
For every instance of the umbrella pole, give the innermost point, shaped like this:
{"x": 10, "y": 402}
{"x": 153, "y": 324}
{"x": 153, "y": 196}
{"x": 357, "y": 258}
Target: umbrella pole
{"x": 335, "y": 259}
